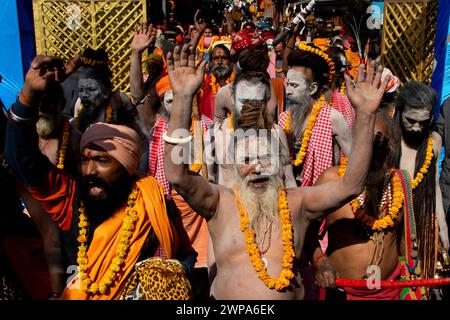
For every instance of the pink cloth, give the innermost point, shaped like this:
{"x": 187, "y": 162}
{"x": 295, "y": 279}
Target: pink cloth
{"x": 121, "y": 142}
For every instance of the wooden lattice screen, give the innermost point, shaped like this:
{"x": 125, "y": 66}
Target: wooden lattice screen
{"x": 409, "y": 28}
{"x": 64, "y": 28}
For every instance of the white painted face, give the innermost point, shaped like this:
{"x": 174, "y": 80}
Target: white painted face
{"x": 168, "y": 100}
{"x": 92, "y": 93}
{"x": 256, "y": 156}
{"x": 415, "y": 120}
{"x": 246, "y": 90}
{"x": 297, "y": 86}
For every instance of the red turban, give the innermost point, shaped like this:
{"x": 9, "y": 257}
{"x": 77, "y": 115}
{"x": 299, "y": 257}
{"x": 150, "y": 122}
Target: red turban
{"x": 120, "y": 142}
{"x": 245, "y": 38}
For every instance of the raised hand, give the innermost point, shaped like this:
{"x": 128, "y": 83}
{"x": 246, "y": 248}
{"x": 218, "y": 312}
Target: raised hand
{"x": 185, "y": 78}
{"x": 368, "y": 91}
{"x": 142, "y": 37}
{"x": 45, "y": 70}
{"x": 200, "y": 24}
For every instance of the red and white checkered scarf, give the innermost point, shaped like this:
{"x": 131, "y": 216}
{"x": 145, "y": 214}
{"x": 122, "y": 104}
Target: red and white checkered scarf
{"x": 319, "y": 155}
{"x": 156, "y": 151}
{"x": 341, "y": 103}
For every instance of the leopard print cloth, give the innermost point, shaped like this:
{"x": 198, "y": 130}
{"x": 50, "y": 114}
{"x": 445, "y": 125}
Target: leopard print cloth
{"x": 158, "y": 279}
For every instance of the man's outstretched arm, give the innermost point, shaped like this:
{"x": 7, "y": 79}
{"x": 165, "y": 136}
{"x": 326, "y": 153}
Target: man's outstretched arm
{"x": 365, "y": 97}
{"x": 21, "y": 147}
{"x": 199, "y": 194}
{"x": 53, "y": 188}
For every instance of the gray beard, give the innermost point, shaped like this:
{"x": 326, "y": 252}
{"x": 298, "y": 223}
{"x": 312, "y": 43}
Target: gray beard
{"x": 221, "y": 72}
{"x": 261, "y": 209}
{"x": 299, "y": 110}
{"x": 46, "y": 126}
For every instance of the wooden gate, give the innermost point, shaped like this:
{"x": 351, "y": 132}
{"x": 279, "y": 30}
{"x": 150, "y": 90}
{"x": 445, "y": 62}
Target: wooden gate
{"x": 409, "y": 28}
{"x": 66, "y": 27}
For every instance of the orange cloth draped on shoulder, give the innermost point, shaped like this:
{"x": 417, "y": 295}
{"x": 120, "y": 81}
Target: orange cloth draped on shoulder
{"x": 278, "y": 87}
{"x": 196, "y": 227}
{"x": 151, "y": 210}
{"x": 353, "y": 62}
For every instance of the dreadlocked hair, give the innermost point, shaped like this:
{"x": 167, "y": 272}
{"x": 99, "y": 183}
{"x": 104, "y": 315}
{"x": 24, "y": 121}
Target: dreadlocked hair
{"x": 424, "y": 204}
{"x": 301, "y": 58}
{"x": 334, "y": 54}
{"x": 253, "y": 115}
{"x": 94, "y": 65}
{"x": 375, "y": 193}
{"x": 254, "y": 60}
{"x": 424, "y": 201}
{"x": 416, "y": 95}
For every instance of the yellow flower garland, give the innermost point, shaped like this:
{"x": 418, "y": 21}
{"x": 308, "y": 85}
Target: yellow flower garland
{"x": 308, "y": 130}
{"x": 201, "y": 47}
{"x": 64, "y": 144}
{"x": 230, "y": 116}
{"x": 426, "y": 164}
{"x": 287, "y": 124}
{"x": 342, "y": 89}
{"x": 323, "y": 55}
{"x": 196, "y": 166}
{"x": 128, "y": 225}
{"x": 390, "y": 218}
{"x": 286, "y": 274}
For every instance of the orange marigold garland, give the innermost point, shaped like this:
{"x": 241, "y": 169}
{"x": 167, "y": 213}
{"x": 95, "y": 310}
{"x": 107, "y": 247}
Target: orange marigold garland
{"x": 287, "y": 124}
{"x": 64, "y": 144}
{"x": 426, "y": 164}
{"x": 391, "y": 217}
{"x": 308, "y": 130}
{"x": 201, "y": 47}
{"x": 128, "y": 226}
{"x": 323, "y": 55}
{"x": 286, "y": 274}
{"x": 342, "y": 89}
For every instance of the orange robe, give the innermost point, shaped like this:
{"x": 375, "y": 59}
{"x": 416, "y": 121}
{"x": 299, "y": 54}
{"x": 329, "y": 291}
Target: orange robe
{"x": 56, "y": 195}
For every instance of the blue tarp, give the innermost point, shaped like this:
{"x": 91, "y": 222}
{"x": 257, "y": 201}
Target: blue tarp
{"x": 441, "y": 74}
{"x": 11, "y": 67}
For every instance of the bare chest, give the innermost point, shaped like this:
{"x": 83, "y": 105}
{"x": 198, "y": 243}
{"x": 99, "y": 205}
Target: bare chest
{"x": 408, "y": 159}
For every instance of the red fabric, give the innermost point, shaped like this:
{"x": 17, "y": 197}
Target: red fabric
{"x": 377, "y": 294}
{"x": 245, "y": 39}
{"x": 342, "y": 104}
{"x": 56, "y": 195}
{"x": 206, "y": 98}
{"x": 319, "y": 155}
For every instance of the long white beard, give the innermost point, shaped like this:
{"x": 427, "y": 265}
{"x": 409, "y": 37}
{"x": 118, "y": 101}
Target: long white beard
{"x": 47, "y": 125}
{"x": 262, "y": 209}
